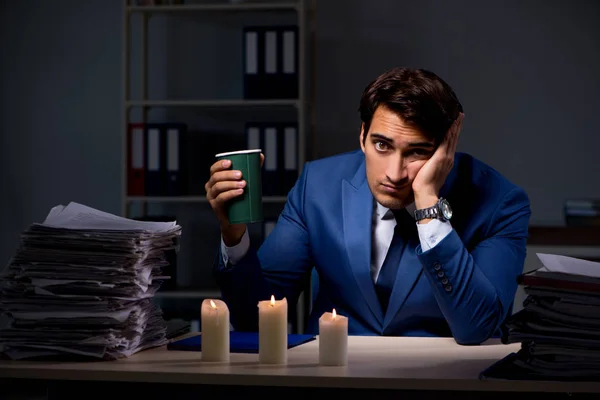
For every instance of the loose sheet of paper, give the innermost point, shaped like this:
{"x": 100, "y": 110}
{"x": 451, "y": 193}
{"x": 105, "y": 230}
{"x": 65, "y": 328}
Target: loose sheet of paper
{"x": 78, "y": 216}
{"x": 569, "y": 265}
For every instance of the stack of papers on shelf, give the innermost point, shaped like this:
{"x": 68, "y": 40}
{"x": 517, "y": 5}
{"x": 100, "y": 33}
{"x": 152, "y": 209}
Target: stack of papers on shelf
{"x": 559, "y": 325}
{"x": 81, "y": 283}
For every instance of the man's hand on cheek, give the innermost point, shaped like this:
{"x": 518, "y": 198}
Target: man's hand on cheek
{"x": 433, "y": 174}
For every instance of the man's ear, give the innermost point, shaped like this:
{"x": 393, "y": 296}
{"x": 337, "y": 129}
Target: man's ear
{"x": 361, "y": 137}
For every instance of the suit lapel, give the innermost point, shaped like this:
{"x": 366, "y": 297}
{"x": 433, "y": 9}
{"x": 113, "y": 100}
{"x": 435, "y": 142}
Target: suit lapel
{"x": 357, "y": 219}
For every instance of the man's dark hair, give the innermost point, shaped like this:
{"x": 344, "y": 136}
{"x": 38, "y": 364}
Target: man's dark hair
{"x": 420, "y": 97}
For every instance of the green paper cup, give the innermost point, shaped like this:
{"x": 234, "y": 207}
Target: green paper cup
{"x": 248, "y": 207}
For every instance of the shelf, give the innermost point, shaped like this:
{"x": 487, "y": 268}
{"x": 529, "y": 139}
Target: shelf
{"x": 188, "y": 294}
{"x": 213, "y": 103}
{"x": 194, "y": 199}
{"x": 215, "y": 7}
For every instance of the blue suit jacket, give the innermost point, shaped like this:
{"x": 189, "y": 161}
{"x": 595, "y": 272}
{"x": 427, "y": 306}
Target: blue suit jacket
{"x": 463, "y": 287}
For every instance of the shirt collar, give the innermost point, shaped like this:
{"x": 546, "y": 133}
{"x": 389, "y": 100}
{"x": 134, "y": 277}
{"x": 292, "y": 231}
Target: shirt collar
{"x": 386, "y": 213}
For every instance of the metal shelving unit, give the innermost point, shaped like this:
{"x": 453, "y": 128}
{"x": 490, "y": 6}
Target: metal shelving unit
{"x": 304, "y": 10}
{"x": 301, "y": 104}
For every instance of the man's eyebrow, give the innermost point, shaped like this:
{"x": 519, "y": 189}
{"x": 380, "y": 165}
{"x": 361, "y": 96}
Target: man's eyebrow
{"x": 422, "y": 144}
{"x": 381, "y": 137}
{"x": 414, "y": 144}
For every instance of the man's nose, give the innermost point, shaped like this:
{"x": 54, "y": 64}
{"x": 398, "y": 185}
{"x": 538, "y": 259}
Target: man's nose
{"x": 396, "y": 169}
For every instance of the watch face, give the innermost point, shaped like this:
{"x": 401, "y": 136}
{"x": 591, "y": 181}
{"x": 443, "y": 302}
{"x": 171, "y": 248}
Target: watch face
{"x": 446, "y": 210}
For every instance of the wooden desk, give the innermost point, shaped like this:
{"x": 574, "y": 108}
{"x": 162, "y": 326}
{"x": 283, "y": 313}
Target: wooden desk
{"x": 385, "y": 363}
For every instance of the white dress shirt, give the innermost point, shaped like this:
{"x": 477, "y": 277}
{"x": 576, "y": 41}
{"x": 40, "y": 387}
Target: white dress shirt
{"x": 430, "y": 234}
{"x": 384, "y": 223}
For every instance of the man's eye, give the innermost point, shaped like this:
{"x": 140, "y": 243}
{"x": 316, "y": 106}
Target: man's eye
{"x": 379, "y": 145}
{"x": 420, "y": 152}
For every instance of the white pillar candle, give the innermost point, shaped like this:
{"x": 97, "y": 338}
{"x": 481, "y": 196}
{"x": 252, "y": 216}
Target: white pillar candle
{"x": 272, "y": 331}
{"x": 333, "y": 339}
{"x": 215, "y": 330}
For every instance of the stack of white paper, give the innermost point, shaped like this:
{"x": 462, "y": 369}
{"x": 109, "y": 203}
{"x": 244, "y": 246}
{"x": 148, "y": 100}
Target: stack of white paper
{"x": 82, "y": 282}
{"x": 559, "y": 325}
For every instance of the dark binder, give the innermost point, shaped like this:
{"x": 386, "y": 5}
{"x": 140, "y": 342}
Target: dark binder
{"x": 253, "y": 136}
{"x": 270, "y": 62}
{"x": 175, "y": 159}
{"x": 271, "y": 147}
{"x": 288, "y": 62}
{"x": 155, "y": 160}
{"x": 254, "y": 56}
{"x": 279, "y": 144}
{"x": 289, "y": 157}
{"x": 136, "y": 169}
{"x": 573, "y": 283}
{"x": 263, "y": 136}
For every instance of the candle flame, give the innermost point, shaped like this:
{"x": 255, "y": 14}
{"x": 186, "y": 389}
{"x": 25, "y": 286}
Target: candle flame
{"x": 272, "y": 300}
{"x": 333, "y": 317}
{"x": 212, "y": 304}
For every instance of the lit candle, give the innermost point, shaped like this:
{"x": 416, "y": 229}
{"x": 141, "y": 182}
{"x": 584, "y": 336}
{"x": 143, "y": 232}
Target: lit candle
{"x": 272, "y": 331}
{"x": 333, "y": 339}
{"x": 215, "y": 330}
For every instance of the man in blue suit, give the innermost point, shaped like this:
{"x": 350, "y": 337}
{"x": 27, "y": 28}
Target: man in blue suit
{"x": 408, "y": 237}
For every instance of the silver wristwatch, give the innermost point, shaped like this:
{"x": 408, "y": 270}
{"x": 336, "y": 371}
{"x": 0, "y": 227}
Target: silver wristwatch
{"x": 441, "y": 210}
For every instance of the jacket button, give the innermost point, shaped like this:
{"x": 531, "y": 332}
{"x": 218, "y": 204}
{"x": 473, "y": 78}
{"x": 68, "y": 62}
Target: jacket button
{"x": 441, "y": 274}
{"x": 437, "y": 266}
{"x": 448, "y": 288}
{"x": 445, "y": 281}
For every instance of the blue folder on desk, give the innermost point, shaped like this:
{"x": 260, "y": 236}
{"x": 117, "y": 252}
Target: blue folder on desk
{"x": 239, "y": 342}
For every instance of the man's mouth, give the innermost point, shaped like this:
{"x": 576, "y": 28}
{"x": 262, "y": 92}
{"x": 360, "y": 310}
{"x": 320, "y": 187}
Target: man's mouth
{"x": 391, "y": 188}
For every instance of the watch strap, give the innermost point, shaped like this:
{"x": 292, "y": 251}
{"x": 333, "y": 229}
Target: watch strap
{"x": 432, "y": 212}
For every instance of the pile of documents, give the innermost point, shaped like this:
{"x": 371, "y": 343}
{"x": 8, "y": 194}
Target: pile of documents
{"x": 559, "y": 326}
{"x": 81, "y": 284}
